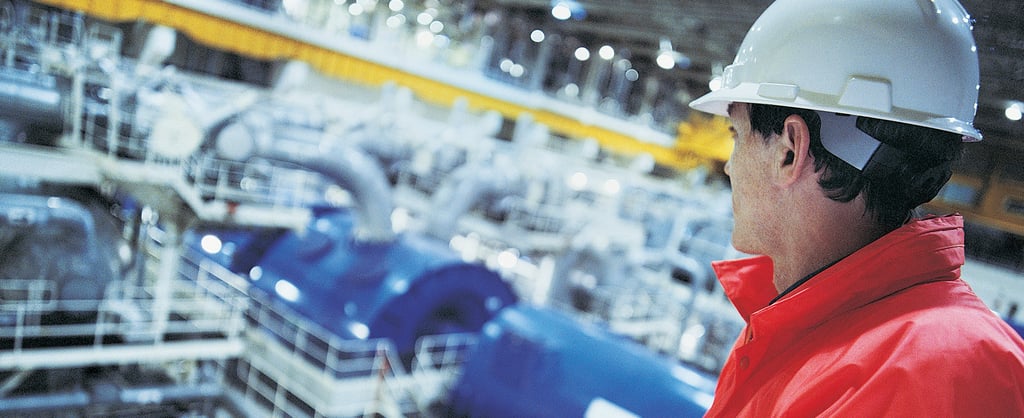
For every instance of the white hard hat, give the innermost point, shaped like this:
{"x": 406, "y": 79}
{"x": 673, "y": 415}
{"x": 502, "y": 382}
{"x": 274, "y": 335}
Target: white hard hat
{"x": 909, "y": 61}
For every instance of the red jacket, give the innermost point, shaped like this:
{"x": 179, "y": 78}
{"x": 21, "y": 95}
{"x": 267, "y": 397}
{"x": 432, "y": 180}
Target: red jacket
{"x": 889, "y": 331}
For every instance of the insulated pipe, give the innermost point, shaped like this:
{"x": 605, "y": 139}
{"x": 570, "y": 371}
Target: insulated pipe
{"x": 347, "y": 166}
{"x": 169, "y": 393}
{"x": 10, "y": 406}
{"x": 466, "y": 187}
{"x": 33, "y": 98}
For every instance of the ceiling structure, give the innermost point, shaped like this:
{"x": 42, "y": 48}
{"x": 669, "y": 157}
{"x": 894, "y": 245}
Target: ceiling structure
{"x": 709, "y": 32}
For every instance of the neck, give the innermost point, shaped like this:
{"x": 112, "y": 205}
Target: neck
{"x": 824, "y": 232}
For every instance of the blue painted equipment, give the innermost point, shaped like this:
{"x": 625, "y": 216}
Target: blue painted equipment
{"x": 534, "y": 362}
{"x": 397, "y": 289}
{"x": 1017, "y": 326}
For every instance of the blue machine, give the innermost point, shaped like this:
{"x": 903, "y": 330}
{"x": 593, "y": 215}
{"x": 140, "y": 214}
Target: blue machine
{"x": 534, "y": 362}
{"x": 398, "y": 289}
{"x": 1017, "y": 326}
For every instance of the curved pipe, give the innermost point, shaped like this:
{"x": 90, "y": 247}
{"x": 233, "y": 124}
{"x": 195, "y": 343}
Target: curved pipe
{"x": 466, "y": 187}
{"x": 345, "y": 165}
{"x": 604, "y": 260}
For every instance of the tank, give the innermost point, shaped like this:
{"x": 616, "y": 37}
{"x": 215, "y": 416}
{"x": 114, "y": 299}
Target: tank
{"x": 398, "y": 289}
{"x": 539, "y": 362}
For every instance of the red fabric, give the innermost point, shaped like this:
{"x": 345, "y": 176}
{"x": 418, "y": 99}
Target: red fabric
{"x": 890, "y": 330}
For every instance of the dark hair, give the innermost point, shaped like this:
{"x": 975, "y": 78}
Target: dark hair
{"x": 889, "y": 197}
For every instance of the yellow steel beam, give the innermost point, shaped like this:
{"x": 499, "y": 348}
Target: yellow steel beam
{"x": 693, "y": 147}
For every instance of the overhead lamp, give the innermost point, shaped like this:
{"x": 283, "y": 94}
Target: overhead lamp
{"x": 606, "y": 52}
{"x": 582, "y": 53}
{"x": 567, "y": 9}
{"x": 632, "y": 75}
{"x": 355, "y": 9}
{"x": 537, "y": 36}
{"x": 669, "y": 58}
{"x": 665, "y": 60}
{"x": 1015, "y": 111}
{"x": 715, "y": 83}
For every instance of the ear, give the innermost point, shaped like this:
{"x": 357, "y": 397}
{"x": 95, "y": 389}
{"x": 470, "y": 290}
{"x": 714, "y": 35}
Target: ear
{"x": 793, "y": 151}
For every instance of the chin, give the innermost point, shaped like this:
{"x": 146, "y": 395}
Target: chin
{"x": 741, "y": 246}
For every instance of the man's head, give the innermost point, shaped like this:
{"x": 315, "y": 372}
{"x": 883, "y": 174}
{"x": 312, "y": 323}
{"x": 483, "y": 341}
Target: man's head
{"x": 884, "y": 89}
{"x": 922, "y": 160}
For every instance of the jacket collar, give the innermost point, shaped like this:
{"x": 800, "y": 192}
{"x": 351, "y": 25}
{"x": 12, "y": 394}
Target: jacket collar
{"x": 923, "y": 250}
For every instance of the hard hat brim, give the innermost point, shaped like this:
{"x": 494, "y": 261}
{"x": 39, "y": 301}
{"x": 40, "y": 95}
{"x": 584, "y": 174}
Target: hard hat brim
{"x": 717, "y": 103}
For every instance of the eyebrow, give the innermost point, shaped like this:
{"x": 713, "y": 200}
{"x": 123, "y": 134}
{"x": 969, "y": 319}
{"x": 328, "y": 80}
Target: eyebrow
{"x": 732, "y": 106}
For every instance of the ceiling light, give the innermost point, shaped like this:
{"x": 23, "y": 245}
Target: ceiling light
{"x": 567, "y": 9}
{"x": 606, "y": 52}
{"x": 665, "y": 60}
{"x": 517, "y": 70}
{"x": 561, "y": 12}
{"x": 424, "y": 18}
{"x": 355, "y": 9}
{"x": 632, "y": 75}
{"x": 505, "y": 65}
{"x": 1015, "y": 111}
{"x": 715, "y": 83}
{"x": 537, "y": 36}
{"x": 582, "y": 53}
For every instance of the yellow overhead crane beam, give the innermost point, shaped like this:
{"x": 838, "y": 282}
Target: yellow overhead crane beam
{"x": 699, "y": 141}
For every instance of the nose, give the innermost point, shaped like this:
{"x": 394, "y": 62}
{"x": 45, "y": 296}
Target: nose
{"x": 728, "y": 164}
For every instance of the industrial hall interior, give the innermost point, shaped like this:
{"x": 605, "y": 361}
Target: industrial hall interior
{"x": 399, "y": 208}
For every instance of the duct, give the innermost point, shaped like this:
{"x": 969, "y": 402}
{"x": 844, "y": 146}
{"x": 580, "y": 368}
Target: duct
{"x": 347, "y": 166}
{"x": 466, "y": 187}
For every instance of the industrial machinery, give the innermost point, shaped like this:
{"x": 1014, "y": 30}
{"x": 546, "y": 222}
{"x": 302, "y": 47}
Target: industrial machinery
{"x": 534, "y": 362}
{"x": 400, "y": 290}
{"x": 278, "y": 252}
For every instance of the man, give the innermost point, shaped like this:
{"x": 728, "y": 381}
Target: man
{"x": 847, "y": 115}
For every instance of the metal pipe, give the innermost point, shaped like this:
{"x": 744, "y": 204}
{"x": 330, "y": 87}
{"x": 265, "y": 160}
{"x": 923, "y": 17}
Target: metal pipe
{"x": 48, "y": 402}
{"x": 346, "y": 165}
{"x": 466, "y": 187}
